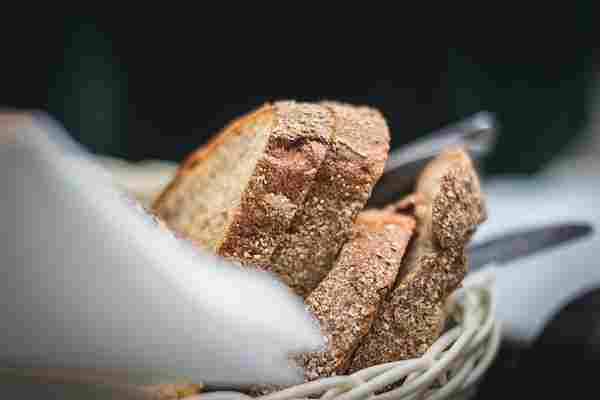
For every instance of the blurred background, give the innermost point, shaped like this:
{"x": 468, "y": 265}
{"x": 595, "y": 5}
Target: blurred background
{"x": 149, "y": 89}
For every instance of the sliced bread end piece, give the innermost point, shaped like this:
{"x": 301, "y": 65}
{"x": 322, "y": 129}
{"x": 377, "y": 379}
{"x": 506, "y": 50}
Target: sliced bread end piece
{"x": 237, "y": 195}
{"x": 342, "y": 187}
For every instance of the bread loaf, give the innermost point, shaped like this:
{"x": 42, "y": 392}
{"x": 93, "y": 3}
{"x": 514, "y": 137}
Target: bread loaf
{"x": 281, "y": 187}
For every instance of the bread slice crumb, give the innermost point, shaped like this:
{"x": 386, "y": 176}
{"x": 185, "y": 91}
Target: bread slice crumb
{"x": 347, "y": 300}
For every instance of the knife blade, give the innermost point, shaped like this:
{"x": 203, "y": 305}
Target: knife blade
{"x": 522, "y": 243}
{"x": 477, "y": 134}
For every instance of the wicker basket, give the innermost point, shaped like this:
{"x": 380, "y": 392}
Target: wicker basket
{"x": 450, "y": 369}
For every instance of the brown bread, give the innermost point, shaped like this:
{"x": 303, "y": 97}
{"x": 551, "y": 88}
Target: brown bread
{"x": 448, "y": 206}
{"x": 346, "y": 301}
{"x": 237, "y": 195}
{"x": 352, "y": 166}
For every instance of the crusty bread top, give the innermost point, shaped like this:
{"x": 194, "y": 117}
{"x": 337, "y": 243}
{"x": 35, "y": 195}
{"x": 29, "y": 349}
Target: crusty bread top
{"x": 364, "y": 131}
{"x": 195, "y": 158}
{"x": 283, "y": 177}
{"x": 452, "y": 195}
{"x": 447, "y": 202}
{"x": 291, "y": 117}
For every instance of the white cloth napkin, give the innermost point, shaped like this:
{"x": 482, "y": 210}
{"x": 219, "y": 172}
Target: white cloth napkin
{"x": 89, "y": 280}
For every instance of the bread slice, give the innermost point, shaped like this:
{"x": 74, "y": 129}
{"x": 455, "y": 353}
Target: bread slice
{"x": 352, "y": 166}
{"x": 281, "y": 187}
{"x": 237, "y": 195}
{"x": 346, "y": 301}
{"x": 448, "y": 207}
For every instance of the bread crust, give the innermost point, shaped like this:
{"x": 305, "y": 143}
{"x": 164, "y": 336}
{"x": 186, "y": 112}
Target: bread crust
{"x": 160, "y": 205}
{"x": 448, "y": 206}
{"x": 342, "y": 187}
{"x": 296, "y": 147}
{"x": 347, "y": 300}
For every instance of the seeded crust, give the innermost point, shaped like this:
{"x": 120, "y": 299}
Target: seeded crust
{"x": 296, "y": 147}
{"x": 346, "y": 301}
{"x": 448, "y": 207}
{"x": 342, "y": 187}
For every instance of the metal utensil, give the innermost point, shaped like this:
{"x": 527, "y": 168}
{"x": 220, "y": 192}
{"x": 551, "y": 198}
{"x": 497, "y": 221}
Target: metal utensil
{"x": 477, "y": 134}
{"x": 518, "y": 244}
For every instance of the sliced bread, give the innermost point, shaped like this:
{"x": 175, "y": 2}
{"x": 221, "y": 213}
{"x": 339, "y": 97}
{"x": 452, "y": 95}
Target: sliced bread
{"x": 448, "y": 206}
{"x": 342, "y": 187}
{"x": 346, "y": 302}
{"x": 237, "y": 195}
{"x": 280, "y": 188}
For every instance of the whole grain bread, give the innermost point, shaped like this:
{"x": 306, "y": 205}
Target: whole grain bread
{"x": 297, "y": 205}
{"x": 342, "y": 187}
{"x": 346, "y": 302}
{"x": 448, "y": 207}
{"x": 237, "y": 195}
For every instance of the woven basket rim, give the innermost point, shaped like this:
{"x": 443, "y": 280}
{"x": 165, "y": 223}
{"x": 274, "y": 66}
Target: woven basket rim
{"x": 451, "y": 367}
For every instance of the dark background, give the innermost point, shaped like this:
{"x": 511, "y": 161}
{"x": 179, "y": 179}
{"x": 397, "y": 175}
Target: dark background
{"x": 158, "y": 88}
